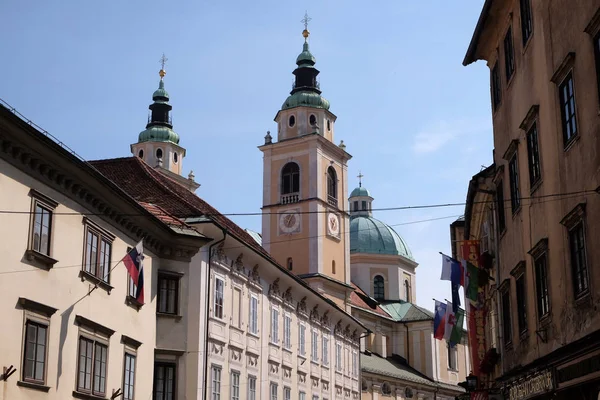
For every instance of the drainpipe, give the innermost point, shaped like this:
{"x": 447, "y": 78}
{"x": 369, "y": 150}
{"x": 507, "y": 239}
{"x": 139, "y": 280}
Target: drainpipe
{"x": 207, "y": 313}
{"x": 498, "y": 299}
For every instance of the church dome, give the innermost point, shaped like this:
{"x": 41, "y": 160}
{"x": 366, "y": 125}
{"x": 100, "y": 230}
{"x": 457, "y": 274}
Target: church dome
{"x": 359, "y": 192}
{"x": 158, "y": 133}
{"x": 371, "y": 236}
{"x": 309, "y": 99}
{"x": 161, "y": 92}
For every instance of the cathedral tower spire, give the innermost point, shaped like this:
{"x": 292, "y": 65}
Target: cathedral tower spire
{"x": 158, "y": 144}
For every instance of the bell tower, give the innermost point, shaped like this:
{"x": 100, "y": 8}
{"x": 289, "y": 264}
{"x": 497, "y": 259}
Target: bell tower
{"x": 305, "y": 223}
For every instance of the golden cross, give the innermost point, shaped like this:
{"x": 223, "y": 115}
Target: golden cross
{"x": 306, "y": 20}
{"x": 163, "y": 60}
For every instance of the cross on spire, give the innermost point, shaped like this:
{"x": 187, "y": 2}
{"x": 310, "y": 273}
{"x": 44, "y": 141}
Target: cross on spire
{"x": 306, "y": 20}
{"x": 360, "y": 176}
{"x": 163, "y": 61}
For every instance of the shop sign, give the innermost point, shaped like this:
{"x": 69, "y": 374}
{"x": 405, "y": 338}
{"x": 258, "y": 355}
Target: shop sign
{"x": 578, "y": 369}
{"x": 531, "y": 386}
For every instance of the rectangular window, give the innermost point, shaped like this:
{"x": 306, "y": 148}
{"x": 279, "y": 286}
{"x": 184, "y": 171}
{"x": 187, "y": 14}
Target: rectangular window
{"x": 236, "y": 307}
{"x": 509, "y": 54}
{"x": 164, "y": 381}
{"x": 287, "y": 331}
{"x": 302, "y": 396}
{"x": 42, "y": 229}
{"x": 315, "y": 346}
{"x": 325, "y": 350}
{"x": 338, "y": 356}
{"x": 355, "y": 205}
{"x": 92, "y": 367}
{"x": 566, "y": 92}
{"x": 364, "y": 205}
{"x": 235, "y": 385}
{"x": 535, "y": 171}
{"x": 287, "y": 393}
{"x": 168, "y": 294}
{"x": 97, "y": 254}
{"x": 34, "y": 358}
{"x": 315, "y": 397}
{"x": 302, "y": 339}
{"x": 451, "y": 357}
{"x": 515, "y": 193}
{"x": 500, "y": 206}
{"x": 507, "y": 329}
{"x": 496, "y": 87}
{"x": 541, "y": 283}
{"x": 354, "y": 363}
{"x": 216, "y": 382}
{"x": 251, "y": 388}
{"x": 274, "y": 325}
{"x": 253, "y": 314}
{"x": 521, "y": 304}
{"x": 526, "y": 20}
{"x": 273, "y": 391}
{"x": 218, "y": 300}
{"x": 579, "y": 269}
{"x": 128, "y": 376}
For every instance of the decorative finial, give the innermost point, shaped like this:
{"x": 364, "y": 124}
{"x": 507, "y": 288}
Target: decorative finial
{"x": 163, "y": 61}
{"x": 342, "y": 145}
{"x": 268, "y": 138}
{"x": 191, "y": 175}
{"x": 360, "y": 176}
{"x": 305, "y": 21}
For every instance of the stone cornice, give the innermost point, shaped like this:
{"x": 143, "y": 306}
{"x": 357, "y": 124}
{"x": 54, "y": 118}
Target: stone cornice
{"x": 30, "y": 151}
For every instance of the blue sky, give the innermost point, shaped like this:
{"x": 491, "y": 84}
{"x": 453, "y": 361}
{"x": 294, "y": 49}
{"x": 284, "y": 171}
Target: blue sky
{"x": 416, "y": 122}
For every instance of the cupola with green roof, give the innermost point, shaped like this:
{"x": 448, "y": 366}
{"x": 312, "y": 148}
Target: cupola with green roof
{"x": 158, "y": 144}
{"x": 305, "y": 111}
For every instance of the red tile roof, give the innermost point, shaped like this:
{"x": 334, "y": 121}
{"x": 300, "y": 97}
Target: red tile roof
{"x": 356, "y": 298}
{"x": 146, "y": 185}
{"x": 164, "y": 216}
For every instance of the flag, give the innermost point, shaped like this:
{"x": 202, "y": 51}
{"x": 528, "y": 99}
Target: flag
{"x": 457, "y": 329}
{"x": 135, "y": 267}
{"x": 474, "y": 279}
{"x": 450, "y": 321}
{"x": 452, "y": 270}
{"x": 439, "y": 320}
{"x": 455, "y": 297}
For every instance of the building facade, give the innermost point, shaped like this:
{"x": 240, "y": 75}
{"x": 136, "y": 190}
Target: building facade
{"x": 544, "y": 71}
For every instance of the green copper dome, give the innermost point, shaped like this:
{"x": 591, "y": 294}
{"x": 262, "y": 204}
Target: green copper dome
{"x": 157, "y": 133}
{"x": 160, "y": 92}
{"x": 305, "y": 57}
{"x": 371, "y": 236}
{"x": 307, "y": 99}
{"x": 360, "y": 191}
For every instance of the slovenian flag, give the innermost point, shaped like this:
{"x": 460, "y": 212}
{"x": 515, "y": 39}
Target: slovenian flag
{"x": 439, "y": 320}
{"x": 134, "y": 262}
{"x": 452, "y": 270}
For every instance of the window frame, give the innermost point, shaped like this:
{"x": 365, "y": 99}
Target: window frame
{"x": 571, "y": 102}
{"x": 218, "y": 301}
{"x": 174, "y": 292}
{"x": 35, "y": 256}
{"x": 500, "y": 206}
{"x": 96, "y": 272}
{"x": 378, "y": 287}
{"x": 582, "y": 271}
{"x": 166, "y": 365}
{"x": 520, "y": 289}
{"x": 251, "y": 387}
{"x": 216, "y": 371}
{"x": 452, "y": 357}
{"x": 526, "y": 21}
{"x": 338, "y": 357}
{"x": 314, "y": 346}
{"x": 287, "y": 393}
{"x": 287, "y": 330}
{"x": 514, "y": 181}
{"x": 510, "y": 65}
{"x": 274, "y": 331}
{"x": 533, "y": 156}
{"x": 506, "y": 314}
{"x": 273, "y": 391}
{"x": 253, "y": 315}
{"x": 325, "y": 350}
{"x": 407, "y": 290}
{"x": 596, "y": 42}
{"x": 132, "y": 374}
{"x": 541, "y": 285}
{"x": 293, "y": 174}
{"x": 232, "y": 394}
{"x": 95, "y": 344}
{"x": 38, "y": 323}
{"x": 302, "y": 339}
{"x": 332, "y": 186}
{"x": 496, "y": 86}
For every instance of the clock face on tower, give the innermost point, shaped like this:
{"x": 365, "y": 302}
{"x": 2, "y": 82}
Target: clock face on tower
{"x": 333, "y": 225}
{"x": 289, "y": 221}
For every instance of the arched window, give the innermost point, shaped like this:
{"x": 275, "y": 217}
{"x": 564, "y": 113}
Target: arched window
{"x": 141, "y": 153}
{"x": 290, "y": 178}
{"x": 331, "y": 185}
{"x": 386, "y": 389}
{"x": 406, "y": 290}
{"x": 378, "y": 290}
{"x": 333, "y": 266}
{"x": 290, "y": 263}
{"x": 159, "y": 153}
